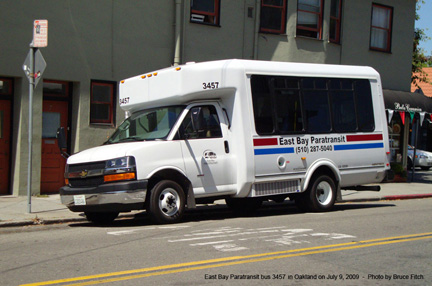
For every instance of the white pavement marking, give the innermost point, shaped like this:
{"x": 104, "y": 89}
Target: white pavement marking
{"x": 135, "y": 230}
{"x": 280, "y": 235}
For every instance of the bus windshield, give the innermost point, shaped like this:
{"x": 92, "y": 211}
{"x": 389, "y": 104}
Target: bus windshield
{"x": 150, "y": 124}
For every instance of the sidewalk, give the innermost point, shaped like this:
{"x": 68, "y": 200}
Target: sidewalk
{"x": 49, "y": 210}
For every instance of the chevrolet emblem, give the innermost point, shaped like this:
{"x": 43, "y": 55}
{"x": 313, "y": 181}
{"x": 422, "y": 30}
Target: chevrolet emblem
{"x": 83, "y": 173}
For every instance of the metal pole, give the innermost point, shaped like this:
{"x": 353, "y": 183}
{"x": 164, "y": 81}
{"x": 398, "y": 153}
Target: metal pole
{"x": 30, "y": 128}
{"x": 415, "y": 149}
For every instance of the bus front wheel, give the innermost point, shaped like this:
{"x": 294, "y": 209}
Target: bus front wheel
{"x": 167, "y": 202}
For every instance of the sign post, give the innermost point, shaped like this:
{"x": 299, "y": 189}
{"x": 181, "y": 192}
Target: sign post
{"x": 34, "y": 65}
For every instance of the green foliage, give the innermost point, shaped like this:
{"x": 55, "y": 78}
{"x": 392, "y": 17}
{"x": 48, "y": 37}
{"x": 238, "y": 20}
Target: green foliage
{"x": 419, "y": 59}
{"x": 398, "y": 169}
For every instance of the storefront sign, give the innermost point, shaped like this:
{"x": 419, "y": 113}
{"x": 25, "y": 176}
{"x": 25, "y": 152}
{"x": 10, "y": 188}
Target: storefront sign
{"x": 406, "y": 107}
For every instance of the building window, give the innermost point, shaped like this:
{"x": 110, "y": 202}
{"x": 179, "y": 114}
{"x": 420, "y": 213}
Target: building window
{"x": 102, "y": 102}
{"x": 5, "y": 87}
{"x": 273, "y": 16}
{"x": 309, "y": 18}
{"x": 381, "y": 28}
{"x": 335, "y": 21}
{"x": 205, "y": 11}
{"x": 55, "y": 89}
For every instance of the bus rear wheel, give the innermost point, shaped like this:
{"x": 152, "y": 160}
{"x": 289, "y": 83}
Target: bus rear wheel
{"x": 321, "y": 194}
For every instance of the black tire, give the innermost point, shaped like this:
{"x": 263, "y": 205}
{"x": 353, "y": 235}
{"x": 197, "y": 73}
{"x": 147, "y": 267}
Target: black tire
{"x": 167, "y": 202}
{"x": 244, "y": 205}
{"x": 101, "y": 217}
{"x": 321, "y": 194}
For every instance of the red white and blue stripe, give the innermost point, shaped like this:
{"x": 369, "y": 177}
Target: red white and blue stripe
{"x": 354, "y": 142}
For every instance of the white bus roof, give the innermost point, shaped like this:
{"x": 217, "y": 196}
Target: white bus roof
{"x": 209, "y": 80}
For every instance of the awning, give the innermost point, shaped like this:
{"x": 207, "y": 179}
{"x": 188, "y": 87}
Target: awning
{"x": 408, "y": 102}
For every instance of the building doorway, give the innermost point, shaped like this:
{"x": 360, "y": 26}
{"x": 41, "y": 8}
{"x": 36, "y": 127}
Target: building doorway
{"x": 5, "y": 134}
{"x": 55, "y": 114}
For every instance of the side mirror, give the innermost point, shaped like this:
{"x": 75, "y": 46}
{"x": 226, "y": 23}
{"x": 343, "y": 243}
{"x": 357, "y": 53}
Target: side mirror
{"x": 61, "y": 141}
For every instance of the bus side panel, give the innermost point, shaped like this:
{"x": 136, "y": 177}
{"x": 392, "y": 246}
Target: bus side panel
{"x": 360, "y": 157}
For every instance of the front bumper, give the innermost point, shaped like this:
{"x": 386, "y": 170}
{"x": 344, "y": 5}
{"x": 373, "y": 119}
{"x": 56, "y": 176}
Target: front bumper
{"x": 114, "y": 197}
{"x": 421, "y": 162}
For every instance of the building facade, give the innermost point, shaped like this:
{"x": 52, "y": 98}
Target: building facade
{"x": 92, "y": 45}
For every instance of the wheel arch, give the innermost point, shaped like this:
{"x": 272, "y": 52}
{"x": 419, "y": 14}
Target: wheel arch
{"x": 323, "y": 167}
{"x": 176, "y": 176}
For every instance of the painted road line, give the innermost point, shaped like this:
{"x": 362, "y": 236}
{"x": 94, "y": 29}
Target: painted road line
{"x": 229, "y": 261}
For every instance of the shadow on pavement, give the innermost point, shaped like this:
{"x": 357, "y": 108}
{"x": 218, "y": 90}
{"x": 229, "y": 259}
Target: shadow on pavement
{"x": 420, "y": 176}
{"x": 222, "y": 212}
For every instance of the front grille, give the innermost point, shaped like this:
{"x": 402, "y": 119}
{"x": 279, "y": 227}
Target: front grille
{"x": 87, "y": 166}
{"x": 86, "y": 182}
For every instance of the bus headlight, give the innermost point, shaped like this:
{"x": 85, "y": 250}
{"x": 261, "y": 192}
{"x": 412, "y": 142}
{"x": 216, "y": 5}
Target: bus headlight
{"x": 120, "y": 169}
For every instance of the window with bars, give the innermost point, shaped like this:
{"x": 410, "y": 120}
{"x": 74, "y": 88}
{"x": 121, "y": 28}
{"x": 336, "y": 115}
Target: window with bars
{"x": 309, "y": 18}
{"x": 273, "y": 16}
{"x": 102, "y": 102}
{"x": 381, "y": 28}
{"x": 205, "y": 11}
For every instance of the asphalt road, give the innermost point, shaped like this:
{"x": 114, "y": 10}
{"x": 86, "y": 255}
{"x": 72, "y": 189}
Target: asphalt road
{"x": 381, "y": 243}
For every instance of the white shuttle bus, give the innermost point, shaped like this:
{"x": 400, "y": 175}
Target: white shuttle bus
{"x": 240, "y": 130}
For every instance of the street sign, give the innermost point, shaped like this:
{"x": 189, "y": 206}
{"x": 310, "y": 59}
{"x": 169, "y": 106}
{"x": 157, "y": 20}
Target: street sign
{"x": 34, "y": 65}
{"x": 40, "y": 33}
{"x": 39, "y": 66}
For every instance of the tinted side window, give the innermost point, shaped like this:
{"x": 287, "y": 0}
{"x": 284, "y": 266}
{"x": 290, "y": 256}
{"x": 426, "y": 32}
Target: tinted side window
{"x": 202, "y": 122}
{"x": 343, "y": 105}
{"x": 288, "y": 110}
{"x": 343, "y": 111}
{"x": 262, "y": 104}
{"x": 362, "y": 90}
{"x": 287, "y": 105}
{"x": 317, "y": 111}
{"x": 316, "y": 105}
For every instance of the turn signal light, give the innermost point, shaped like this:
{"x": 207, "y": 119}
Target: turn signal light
{"x": 119, "y": 177}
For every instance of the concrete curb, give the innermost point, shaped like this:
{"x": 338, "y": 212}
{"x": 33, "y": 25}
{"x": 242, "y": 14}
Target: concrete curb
{"x": 389, "y": 198}
{"x": 40, "y": 222}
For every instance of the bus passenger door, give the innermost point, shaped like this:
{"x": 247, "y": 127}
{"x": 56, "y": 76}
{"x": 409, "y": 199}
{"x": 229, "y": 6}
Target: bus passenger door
{"x": 206, "y": 153}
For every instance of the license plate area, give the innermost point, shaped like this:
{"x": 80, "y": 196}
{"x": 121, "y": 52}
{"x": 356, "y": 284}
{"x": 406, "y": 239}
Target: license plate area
{"x": 79, "y": 200}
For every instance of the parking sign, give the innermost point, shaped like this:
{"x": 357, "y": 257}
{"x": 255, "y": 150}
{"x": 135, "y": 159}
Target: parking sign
{"x": 40, "y": 33}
